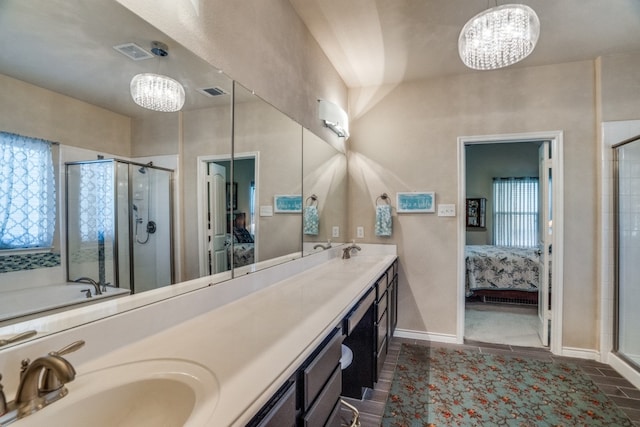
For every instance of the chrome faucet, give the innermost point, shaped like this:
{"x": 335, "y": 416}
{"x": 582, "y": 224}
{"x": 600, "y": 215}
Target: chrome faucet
{"x": 346, "y": 252}
{"x": 324, "y": 247}
{"x": 41, "y": 383}
{"x": 90, "y": 281}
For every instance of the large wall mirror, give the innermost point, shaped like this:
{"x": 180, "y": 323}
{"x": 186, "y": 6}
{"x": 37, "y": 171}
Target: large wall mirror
{"x": 146, "y": 199}
{"x": 267, "y": 177}
{"x": 325, "y": 193}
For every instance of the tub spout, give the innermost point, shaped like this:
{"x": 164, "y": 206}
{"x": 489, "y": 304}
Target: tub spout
{"x": 92, "y": 282}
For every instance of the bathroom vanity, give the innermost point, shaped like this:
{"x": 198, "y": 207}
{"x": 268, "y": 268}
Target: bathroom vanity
{"x": 249, "y": 349}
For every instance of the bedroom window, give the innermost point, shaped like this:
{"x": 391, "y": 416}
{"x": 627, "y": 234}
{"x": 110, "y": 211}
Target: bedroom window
{"x": 27, "y": 193}
{"x": 515, "y": 212}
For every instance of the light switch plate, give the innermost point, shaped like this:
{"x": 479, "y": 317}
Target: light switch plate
{"x": 446, "y": 210}
{"x": 266, "y": 210}
{"x": 335, "y": 231}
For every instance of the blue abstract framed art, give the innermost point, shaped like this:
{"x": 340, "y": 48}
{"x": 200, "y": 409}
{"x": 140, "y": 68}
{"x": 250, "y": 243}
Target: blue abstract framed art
{"x": 416, "y": 202}
{"x": 290, "y": 203}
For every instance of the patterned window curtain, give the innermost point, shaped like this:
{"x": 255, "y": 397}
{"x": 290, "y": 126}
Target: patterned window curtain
{"x": 27, "y": 192}
{"x": 96, "y": 201}
{"x": 515, "y": 212}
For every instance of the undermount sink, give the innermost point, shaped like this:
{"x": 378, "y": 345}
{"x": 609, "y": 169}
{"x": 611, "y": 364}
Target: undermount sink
{"x": 159, "y": 392}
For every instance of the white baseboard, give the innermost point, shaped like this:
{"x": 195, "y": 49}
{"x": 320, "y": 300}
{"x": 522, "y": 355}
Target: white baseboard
{"x": 425, "y": 336}
{"x": 580, "y": 353}
{"x": 624, "y": 369}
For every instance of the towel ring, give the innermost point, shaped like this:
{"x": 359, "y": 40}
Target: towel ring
{"x": 314, "y": 199}
{"x": 383, "y": 197}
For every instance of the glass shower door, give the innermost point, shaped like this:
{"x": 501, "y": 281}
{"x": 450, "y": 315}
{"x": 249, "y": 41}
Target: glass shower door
{"x": 151, "y": 227}
{"x": 91, "y": 221}
{"x": 627, "y": 271}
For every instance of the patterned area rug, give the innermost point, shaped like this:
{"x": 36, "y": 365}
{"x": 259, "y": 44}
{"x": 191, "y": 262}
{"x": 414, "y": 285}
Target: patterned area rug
{"x": 446, "y": 387}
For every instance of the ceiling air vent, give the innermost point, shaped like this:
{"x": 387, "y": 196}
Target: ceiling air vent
{"x": 133, "y": 51}
{"x": 212, "y": 91}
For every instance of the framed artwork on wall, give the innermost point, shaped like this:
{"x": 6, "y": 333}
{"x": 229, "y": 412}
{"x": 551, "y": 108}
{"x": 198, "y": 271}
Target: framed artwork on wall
{"x": 416, "y": 202}
{"x": 476, "y": 213}
{"x": 290, "y": 203}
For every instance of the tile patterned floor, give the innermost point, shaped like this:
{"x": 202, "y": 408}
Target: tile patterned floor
{"x": 621, "y": 391}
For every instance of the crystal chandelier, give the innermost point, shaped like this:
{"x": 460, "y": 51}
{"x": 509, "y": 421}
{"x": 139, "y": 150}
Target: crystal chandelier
{"x": 157, "y": 92}
{"x": 499, "y": 37}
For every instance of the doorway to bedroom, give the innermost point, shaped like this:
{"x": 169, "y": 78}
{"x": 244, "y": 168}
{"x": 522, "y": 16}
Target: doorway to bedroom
{"x": 506, "y": 219}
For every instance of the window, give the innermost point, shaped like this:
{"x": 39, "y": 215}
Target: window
{"x": 515, "y": 212}
{"x": 27, "y": 192}
{"x": 96, "y": 201}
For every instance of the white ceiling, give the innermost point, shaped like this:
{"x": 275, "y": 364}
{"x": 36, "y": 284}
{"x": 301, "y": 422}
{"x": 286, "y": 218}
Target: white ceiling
{"x": 374, "y": 42}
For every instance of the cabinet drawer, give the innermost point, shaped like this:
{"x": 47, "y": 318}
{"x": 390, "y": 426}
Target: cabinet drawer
{"x": 381, "y": 285}
{"x": 316, "y": 374}
{"x": 382, "y": 305}
{"x": 359, "y": 311}
{"x": 335, "y": 419}
{"x": 381, "y": 328}
{"x": 381, "y": 357}
{"x": 283, "y": 413}
{"x": 319, "y": 413}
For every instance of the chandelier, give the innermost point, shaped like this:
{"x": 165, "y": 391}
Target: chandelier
{"x": 157, "y": 92}
{"x": 499, "y": 37}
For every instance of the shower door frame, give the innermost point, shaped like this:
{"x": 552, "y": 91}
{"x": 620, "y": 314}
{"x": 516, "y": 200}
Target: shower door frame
{"x": 616, "y": 252}
{"x": 116, "y": 255}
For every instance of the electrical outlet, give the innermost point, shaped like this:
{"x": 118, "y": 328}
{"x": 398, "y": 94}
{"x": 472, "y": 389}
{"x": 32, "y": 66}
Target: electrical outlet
{"x": 446, "y": 210}
{"x": 360, "y": 232}
{"x": 335, "y": 231}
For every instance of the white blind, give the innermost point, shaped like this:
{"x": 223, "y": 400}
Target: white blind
{"x": 515, "y": 212}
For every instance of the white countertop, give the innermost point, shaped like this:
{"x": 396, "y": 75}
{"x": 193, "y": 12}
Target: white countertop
{"x": 255, "y": 343}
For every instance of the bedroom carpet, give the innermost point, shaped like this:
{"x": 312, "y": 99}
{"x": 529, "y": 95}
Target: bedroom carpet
{"x": 458, "y": 387}
{"x": 511, "y": 325}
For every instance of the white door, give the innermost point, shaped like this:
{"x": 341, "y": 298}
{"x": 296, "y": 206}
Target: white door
{"x": 217, "y": 224}
{"x": 545, "y": 229}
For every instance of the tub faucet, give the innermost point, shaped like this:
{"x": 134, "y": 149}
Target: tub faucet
{"x": 346, "y": 252}
{"x": 324, "y": 247}
{"x": 92, "y": 282}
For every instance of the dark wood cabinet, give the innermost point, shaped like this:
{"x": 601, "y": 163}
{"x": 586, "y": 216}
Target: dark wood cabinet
{"x": 311, "y": 398}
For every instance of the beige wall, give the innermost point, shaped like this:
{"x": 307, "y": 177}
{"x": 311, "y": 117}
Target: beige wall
{"x": 258, "y": 127}
{"x": 620, "y": 85}
{"x": 408, "y": 142}
{"x": 29, "y": 110}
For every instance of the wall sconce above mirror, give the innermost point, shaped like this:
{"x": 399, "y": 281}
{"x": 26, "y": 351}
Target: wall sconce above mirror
{"x": 334, "y": 117}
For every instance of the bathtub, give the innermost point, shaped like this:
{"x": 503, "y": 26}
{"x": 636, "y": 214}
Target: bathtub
{"x": 49, "y": 299}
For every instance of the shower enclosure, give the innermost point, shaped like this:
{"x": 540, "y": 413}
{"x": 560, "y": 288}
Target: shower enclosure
{"x": 627, "y": 270}
{"x": 119, "y": 224}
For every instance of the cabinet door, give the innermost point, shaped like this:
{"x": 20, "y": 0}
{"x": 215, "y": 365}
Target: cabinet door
{"x": 283, "y": 410}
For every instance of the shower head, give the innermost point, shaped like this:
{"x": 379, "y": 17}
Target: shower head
{"x": 142, "y": 170}
{"x": 135, "y": 207}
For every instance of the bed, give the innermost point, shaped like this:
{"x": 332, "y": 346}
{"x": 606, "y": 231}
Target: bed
{"x": 504, "y": 273}
{"x": 241, "y": 252}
